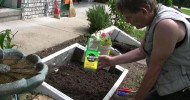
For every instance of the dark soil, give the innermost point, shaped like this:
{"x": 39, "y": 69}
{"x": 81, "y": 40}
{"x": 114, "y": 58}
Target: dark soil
{"x": 81, "y": 84}
{"x": 44, "y": 53}
{"x": 83, "y": 41}
{"x": 87, "y": 85}
{"x": 122, "y": 47}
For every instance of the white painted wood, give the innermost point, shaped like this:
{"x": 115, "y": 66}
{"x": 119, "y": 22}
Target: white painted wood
{"x": 61, "y": 51}
{"x": 117, "y": 84}
{"x": 52, "y": 92}
{"x": 121, "y": 36}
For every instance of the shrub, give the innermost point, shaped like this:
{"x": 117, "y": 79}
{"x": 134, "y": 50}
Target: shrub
{"x": 1, "y": 2}
{"x": 186, "y": 3}
{"x": 6, "y": 37}
{"x": 117, "y": 19}
{"x": 98, "y": 18}
{"x": 168, "y": 3}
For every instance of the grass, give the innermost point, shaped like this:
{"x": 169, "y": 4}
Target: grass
{"x": 185, "y": 11}
{"x": 138, "y": 34}
{"x": 137, "y": 80}
{"x": 134, "y": 83}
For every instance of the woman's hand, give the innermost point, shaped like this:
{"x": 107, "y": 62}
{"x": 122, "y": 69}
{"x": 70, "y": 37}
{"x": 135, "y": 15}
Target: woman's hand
{"x": 104, "y": 61}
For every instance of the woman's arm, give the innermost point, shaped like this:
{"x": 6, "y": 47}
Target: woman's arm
{"x": 131, "y": 56}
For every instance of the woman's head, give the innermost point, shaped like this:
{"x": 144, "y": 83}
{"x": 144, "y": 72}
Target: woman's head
{"x": 137, "y": 12}
{"x": 134, "y": 5}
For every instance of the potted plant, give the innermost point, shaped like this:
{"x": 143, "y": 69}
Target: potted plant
{"x": 6, "y": 37}
{"x": 2, "y": 3}
{"x": 104, "y": 40}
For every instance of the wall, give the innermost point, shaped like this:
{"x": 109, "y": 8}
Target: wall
{"x": 37, "y": 8}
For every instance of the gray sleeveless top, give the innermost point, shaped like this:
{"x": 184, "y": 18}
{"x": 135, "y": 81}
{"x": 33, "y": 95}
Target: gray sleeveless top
{"x": 175, "y": 73}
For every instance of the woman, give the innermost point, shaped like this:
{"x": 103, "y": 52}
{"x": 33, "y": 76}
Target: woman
{"x": 166, "y": 47}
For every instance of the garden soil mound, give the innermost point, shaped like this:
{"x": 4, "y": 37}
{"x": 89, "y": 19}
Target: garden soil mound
{"x": 81, "y": 84}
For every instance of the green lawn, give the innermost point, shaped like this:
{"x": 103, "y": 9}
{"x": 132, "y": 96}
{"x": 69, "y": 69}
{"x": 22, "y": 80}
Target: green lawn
{"x": 138, "y": 33}
{"x": 185, "y": 11}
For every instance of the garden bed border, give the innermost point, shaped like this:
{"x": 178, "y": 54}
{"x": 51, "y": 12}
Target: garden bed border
{"x": 65, "y": 53}
{"x": 121, "y": 36}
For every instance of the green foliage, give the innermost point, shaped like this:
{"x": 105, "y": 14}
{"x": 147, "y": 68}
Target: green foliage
{"x": 1, "y": 2}
{"x": 105, "y": 39}
{"x": 137, "y": 79}
{"x": 102, "y": 38}
{"x": 168, "y": 3}
{"x": 98, "y": 18}
{"x": 138, "y": 34}
{"x": 6, "y": 37}
{"x": 118, "y": 19}
{"x": 186, "y": 3}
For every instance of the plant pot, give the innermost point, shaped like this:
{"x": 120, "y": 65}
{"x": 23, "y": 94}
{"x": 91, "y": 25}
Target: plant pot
{"x": 74, "y": 53}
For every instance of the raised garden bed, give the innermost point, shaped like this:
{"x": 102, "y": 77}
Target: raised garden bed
{"x": 67, "y": 75}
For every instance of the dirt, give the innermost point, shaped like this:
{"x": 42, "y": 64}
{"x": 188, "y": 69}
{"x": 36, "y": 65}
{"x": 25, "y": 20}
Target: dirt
{"x": 81, "y": 40}
{"x": 122, "y": 47}
{"x": 97, "y": 90}
{"x": 81, "y": 84}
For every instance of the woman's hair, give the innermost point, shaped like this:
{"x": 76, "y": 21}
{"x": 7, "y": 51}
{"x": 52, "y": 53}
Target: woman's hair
{"x": 134, "y": 5}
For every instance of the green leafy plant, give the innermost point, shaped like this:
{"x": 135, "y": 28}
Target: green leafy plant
{"x": 182, "y": 3}
{"x": 102, "y": 38}
{"x": 168, "y": 3}
{"x": 2, "y": 2}
{"x": 118, "y": 19}
{"x": 6, "y": 37}
{"x": 98, "y": 18}
{"x": 105, "y": 39}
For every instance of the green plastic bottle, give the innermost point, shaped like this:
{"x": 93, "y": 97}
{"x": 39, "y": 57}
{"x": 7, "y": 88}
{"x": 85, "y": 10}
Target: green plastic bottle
{"x": 91, "y": 54}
